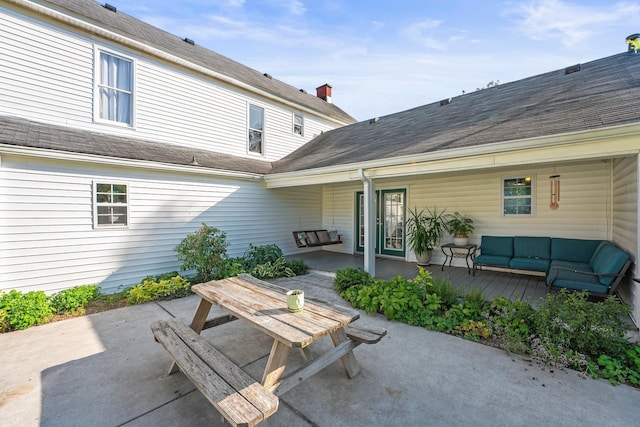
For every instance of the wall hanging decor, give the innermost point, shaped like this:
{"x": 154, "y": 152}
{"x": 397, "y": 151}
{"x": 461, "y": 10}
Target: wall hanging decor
{"x": 555, "y": 190}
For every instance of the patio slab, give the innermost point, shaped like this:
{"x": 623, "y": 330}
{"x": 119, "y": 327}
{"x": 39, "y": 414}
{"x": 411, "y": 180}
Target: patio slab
{"x": 106, "y": 370}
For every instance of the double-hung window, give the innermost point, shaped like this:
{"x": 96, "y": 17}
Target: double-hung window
{"x": 115, "y": 88}
{"x": 111, "y": 204}
{"x": 298, "y": 124}
{"x": 256, "y": 129}
{"x": 517, "y": 196}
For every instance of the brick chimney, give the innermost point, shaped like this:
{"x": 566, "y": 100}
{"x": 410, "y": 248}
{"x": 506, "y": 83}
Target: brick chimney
{"x": 324, "y": 92}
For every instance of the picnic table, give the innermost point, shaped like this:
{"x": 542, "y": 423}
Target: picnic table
{"x": 263, "y": 306}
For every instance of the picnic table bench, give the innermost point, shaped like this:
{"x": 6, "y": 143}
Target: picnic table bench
{"x": 239, "y": 398}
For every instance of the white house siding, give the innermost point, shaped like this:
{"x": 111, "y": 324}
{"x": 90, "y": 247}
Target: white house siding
{"x": 625, "y": 221}
{"x": 47, "y": 240}
{"x": 585, "y": 205}
{"x": 46, "y": 74}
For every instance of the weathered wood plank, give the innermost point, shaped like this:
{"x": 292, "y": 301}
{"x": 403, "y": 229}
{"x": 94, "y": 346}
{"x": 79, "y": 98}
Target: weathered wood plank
{"x": 349, "y": 362}
{"x": 276, "y": 364}
{"x": 364, "y": 333}
{"x": 237, "y": 396}
{"x": 218, "y": 320}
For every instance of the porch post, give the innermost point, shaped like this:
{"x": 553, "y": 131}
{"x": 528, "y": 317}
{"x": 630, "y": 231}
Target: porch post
{"x": 369, "y": 224}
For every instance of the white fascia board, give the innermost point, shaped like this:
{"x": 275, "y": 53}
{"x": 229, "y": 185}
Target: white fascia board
{"x": 620, "y": 141}
{"x": 115, "y": 161}
{"x": 145, "y": 48}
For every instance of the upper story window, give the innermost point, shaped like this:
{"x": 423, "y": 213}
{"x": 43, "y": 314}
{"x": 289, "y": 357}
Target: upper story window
{"x": 256, "y": 129}
{"x": 115, "y": 89}
{"x": 298, "y": 124}
{"x": 517, "y": 196}
{"x": 110, "y": 205}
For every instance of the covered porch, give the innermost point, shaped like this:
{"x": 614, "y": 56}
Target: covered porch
{"x": 492, "y": 283}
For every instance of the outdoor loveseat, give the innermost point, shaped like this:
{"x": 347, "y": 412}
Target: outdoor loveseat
{"x": 596, "y": 266}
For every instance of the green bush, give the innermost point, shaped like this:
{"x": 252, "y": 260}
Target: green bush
{"x": 298, "y": 266}
{"x": 257, "y": 255}
{"x": 160, "y": 287}
{"x": 74, "y": 299}
{"x": 351, "y": 277}
{"x": 22, "y": 311}
{"x": 205, "y": 251}
{"x": 269, "y": 270}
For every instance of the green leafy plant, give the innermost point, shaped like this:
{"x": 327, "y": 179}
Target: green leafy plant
{"x": 154, "y": 288}
{"x": 271, "y": 269}
{"x": 351, "y": 277}
{"x": 22, "y": 311}
{"x": 205, "y": 251}
{"x": 425, "y": 229}
{"x": 298, "y": 266}
{"x": 74, "y": 299}
{"x": 257, "y": 255}
{"x": 460, "y": 225}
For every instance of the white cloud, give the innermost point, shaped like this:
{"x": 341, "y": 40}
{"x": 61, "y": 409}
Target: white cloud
{"x": 571, "y": 23}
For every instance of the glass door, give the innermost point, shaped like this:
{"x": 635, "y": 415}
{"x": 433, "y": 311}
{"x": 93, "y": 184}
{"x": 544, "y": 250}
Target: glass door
{"x": 390, "y": 219}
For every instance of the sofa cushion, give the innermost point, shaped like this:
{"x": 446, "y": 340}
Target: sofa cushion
{"x": 497, "y": 245}
{"x": 573, "y": 250}
{"x": 532, "y": 247}
{"x": 494, "y": 260}
{"x": 609, "y": 260}
{"x": 580, "y": 266}
{"x": 535, "y": 264}
{"x": 576, "y": 281}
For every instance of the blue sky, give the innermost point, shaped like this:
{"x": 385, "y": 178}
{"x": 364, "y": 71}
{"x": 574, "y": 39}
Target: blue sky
{"x": 382, "y": 57}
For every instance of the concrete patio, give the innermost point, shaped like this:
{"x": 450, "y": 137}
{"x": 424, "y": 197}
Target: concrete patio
{"x": 106, "y": 370}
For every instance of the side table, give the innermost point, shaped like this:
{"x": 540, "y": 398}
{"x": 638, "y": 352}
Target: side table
{"x": 451, "y": 250}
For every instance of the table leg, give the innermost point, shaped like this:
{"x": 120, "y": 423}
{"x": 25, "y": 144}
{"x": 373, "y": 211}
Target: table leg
{"x": 276, "y": 364}
{"x": 199, "y": 318}
{"x": 349, "y": 362}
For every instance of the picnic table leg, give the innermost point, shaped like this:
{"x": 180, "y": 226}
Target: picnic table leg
{"x": 349, "y": 362}
{"x": 199, "y": 318}
{"x": 276, "y": 364}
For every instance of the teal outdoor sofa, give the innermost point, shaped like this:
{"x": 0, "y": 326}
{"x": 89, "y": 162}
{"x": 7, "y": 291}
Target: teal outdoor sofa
{"x": 596, "y": 266}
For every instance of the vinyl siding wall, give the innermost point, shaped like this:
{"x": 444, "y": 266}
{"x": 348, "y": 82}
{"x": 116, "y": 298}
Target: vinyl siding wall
{"x": 47, "y": 239}
{"x": 625, "y": 221}
{"x": 584, "y": 212}
{"x": 47, "y": 75}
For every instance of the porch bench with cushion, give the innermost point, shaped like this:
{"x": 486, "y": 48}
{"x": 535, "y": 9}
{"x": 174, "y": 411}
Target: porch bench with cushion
{"x": 597, "y": 266}
{"x": 311, "y": 238}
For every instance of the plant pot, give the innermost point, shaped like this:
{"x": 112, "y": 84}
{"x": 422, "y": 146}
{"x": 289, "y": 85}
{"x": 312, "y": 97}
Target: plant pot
{"x": 295, "y": 300}
{"x": 461, "y": 241}
{"x": 424, "y": 258}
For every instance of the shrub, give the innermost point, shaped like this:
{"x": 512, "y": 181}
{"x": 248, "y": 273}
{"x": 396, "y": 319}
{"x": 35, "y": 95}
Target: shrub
{"x": 204, "y": 251}
{"x": 74, "y": 299}
{"x": 25, "y": 310}
{"x": 269, "y": 270}
{"x": 445, "y": 290}
{"x": 153, "y": 288}
{"x": 298, "y": 266}
{"x": 351, "y": 277}
{"x": 257, "y": 255}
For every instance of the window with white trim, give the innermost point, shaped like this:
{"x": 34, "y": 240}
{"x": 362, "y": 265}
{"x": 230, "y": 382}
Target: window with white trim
{"x": 114, "y": 97}
{"x": 110, "y": 204}
{"x": 517, "y": 196}
{"x": 298, "y": 124}
{"x": 256, "y": 129}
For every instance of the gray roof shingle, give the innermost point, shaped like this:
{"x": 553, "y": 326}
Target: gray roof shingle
{"x": 604, "y": 93}
{"x": 94, "y": 12}
{"x": 21, "y": 132}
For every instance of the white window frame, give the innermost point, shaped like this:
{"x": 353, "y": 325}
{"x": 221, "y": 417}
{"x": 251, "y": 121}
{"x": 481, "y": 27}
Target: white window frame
{"x": 97, "y": 205}
{"x": 300, "y": 125}
{"x": 525, "y": 178}
{"x": 97, "y": 106}
{"x": 250, "y": 129}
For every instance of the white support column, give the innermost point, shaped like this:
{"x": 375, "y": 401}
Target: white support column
{"x": 369, "y": 224}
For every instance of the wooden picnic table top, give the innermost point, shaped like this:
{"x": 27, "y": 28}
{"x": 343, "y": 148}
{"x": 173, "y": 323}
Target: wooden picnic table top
{"x": 264, "y": 305}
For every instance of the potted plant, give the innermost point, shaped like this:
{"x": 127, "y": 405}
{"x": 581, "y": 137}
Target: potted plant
{"x": 425, "y": 231}
{"x": 460, "y": 226}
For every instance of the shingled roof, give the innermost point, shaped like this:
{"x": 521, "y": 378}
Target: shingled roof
{"x": 594, "y": 95}
{"x": 19, "y": 132}
{"x": 122, "y": 23}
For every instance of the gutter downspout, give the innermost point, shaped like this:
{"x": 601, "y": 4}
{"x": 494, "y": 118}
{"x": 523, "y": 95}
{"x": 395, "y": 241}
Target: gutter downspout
{"x": 369, "y": 223}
